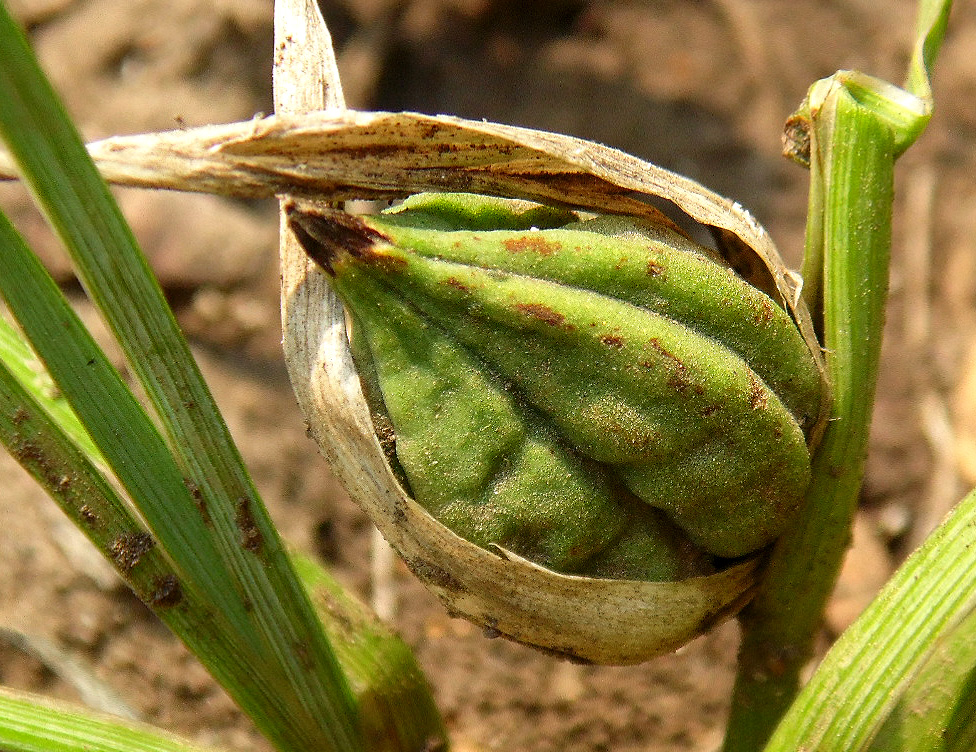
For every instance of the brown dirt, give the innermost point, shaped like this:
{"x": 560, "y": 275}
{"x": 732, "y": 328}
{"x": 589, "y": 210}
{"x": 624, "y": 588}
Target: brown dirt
{"x": 701, "y": 87}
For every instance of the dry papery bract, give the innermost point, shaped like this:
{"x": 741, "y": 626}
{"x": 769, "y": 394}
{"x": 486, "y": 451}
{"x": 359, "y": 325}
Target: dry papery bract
{"x": 369, "y": 155}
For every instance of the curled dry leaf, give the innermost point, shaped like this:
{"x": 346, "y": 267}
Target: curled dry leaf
{"x": 362, "y": 155}
{"x": 332, "y": 157}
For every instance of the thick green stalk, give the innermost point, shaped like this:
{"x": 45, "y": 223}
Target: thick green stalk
{"x": 855, "y": 173}
{"x": 857, "y": 127}
{"x": 396, "y": 705}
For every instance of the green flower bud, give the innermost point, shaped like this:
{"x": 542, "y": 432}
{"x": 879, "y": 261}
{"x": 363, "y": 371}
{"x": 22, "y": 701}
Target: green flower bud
{"x": 601, "y": 396}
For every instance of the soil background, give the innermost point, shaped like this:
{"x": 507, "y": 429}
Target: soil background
{"x": 700, "y": 86}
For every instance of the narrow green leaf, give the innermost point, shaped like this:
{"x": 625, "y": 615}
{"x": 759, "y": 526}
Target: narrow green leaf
{"x": 866, "y": 671}
{"x": 27, "y": 368}
{"x": 41, "y": 432}
{"x": 396, "y": 706}
{"x": 39, "y": 435}
{"x": 33, "y": 724}
{"x": 220, "y": 533}
{"x": 116, "y": 422}
{"x": 930, "y": 28}
{"x": 937, "y": 712}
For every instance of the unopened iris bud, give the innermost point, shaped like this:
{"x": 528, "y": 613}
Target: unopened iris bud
{"x": 599, "y": 395}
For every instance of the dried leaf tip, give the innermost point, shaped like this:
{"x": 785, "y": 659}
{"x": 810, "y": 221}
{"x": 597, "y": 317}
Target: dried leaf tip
{"x": 326, "y": 234}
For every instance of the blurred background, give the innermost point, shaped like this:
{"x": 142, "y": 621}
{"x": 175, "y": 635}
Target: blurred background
{"x": 699, "y": 86}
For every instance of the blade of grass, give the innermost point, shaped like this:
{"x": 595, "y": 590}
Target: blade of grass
{"x": 34, "y": 724}
{"x": 212, "y": 618}
{"x": 263, "y": 591}
{"x": 866, "y": 671}
{"x": 931, "y": 22}
{"x": 937, "y": 712}
{"x": 40, "y": 431}
{"x": 28, "y": 370}
{"x": 116, "y": 422}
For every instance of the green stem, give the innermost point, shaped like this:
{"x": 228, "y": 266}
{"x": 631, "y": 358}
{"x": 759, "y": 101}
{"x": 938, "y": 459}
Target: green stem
{"x": 857, "y": 127}
{"x": 852, "y": 170}
{"x": 395, "y": 702}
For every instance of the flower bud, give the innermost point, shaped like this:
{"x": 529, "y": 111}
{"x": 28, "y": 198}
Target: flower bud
{"x": 597, "y": 395}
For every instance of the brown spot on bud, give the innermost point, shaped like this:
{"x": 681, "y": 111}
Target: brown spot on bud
{"x": 654, "y": 269}
{"x": 679, "y": 378}
{"x": 611, "y": 340}
{"x": 656, "y": 344}
{"x": 544, "y": 313}
{"x": 535, "y": 243}
{"x": 757, "y": 394}
{"x": 679, "y": 381}
{"x": 764, "y": 311}
{"x": 456, "y": 284}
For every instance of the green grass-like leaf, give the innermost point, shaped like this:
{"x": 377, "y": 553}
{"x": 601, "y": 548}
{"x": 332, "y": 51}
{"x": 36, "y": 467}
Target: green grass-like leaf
{"x": 937, "y": 712}
{"x": 41, "y": 433}
{"x": 28, "y": 371}
{"x": 188, "y": 481}
{"x": 32, "y": 724}
{"x": 865, "y": 673}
